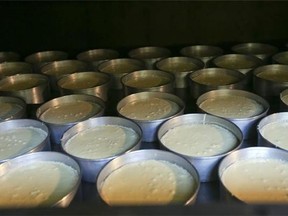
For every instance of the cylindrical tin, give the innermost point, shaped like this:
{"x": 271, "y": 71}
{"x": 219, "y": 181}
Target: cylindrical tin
{"x": 27, "y": 145}
{"x": 261, "y": 50}
{"x": 90, "y": 82}
{"x": 149, "y": 154}
{"x": 94, "y": 57}
{"x": 32, "y": 88}
{"x": 9, "y": 56}
{"x": 203, "y": 52}
{"x": 12, "y": 108}
{"x": 148, "y": 80}
{"x": 270, "y": 80}
{"x": 150, "y": 127}
{"x": 47, "y": 156}
{"x": 180, "y": 66}
{"x": 65, "y": 111}
{"x": 120, "y": 67}
{"x": 204, "y": 80}
{"x": 278, "y": 123}
{"x": 248, "y": 124}
{"x": 13, "y": 68}
{"x": 283, "y": 106}
{"x": 41, "y": 58}
{"x": 280, "y": 58}
{"x": 54, "y": 70}
{"x": 246, "y": 154}
{"x": 241, "y": 62}
{"x": 206, "y": 166}
{"x": 149, "y": 55}
{"x": 91, "y": 167}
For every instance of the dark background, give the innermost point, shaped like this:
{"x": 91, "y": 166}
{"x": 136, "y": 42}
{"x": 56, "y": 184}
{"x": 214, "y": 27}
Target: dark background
{"x": 75, "y": 26}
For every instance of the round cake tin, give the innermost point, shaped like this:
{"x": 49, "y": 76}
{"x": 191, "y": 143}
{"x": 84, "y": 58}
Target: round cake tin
{"x": 57, "y": 129}
{"x": 120, "y": 67}
{"x": 54, "y": 70}
{"x": 214, "y": 78}
{"x": 251, "y": 153}
{"x": 270, "y": 80}
{"x": 94, "y": 57}
{"x": 180, "y": 66}
{"x": 12, "y": 108}
{"x": 150, "y": 127}
{"x": 28, "y": 147}
{"x": 39, "y": 59}
{"x": 260, "y": 50}
{"x": 9, "y": 56}
{"x": 280, "y": 141}
{"x": 32, "y": 88}
{"x": 89, "y": 82}
{"x": 203, "y": 52}
{"x": 280, "y": 58}
{"x": 13, "y": 68}
{"x": 148, "y": 80}
{"x": 149, "y": 55}
{"x": 47, "y": 156}
{"x": 144, "y": 155}
{"x": 247, "y": 125}
{"x": 91, "y": 167}
{"x": 206, "y": 166}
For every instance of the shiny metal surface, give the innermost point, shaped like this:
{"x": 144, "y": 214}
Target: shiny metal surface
{"x": 149, "y": 55}
{"x": 94, "y": 57}
{"x": 197, "y": 89}
{"x": 149, "y": 154}
{"x": 15, "y": 101}
{"x": 280, "y": 58}
{"x": 272, "y": 118}
{"x": 166, "y": 86}
{"x": 206, "y": 165}
{"x": 150, "y": 127}
{"x": 13, "y": 68}
{"x": 246, "y": 125}
{"x": 37, "y": 94}
{"x": 180, "y": 66}
{"x": 120, "y": 67}
{"x": 9, "y": 56}
{"x": 91, "y": 168}
{"x": 47, "y": 156}
{"x": 255, "y": 152}
{"x": 283, "y": 106}
{"x": 57, "y": 130}
{"x": 82, "y": 84}
{"x": 54, "y": 70}
{"x": 39, "y": 59}
{"x": 260, "y": 50}
{"x": 269, "y": 88}
{"x": 203, "y": 52}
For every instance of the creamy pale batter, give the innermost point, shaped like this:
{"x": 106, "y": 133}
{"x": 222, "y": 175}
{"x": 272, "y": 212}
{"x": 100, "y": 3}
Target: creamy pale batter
{"x": 147, "y": 81}
{"x": 120, "y": 68}
{"x": 101, "y": 142}
{"x": 149, "y": 109}
{"x": 35, "y": 184}
{"x": 215, "y": 79}
{"x": 257, "y": 180}
{"x": 276, "y": 133}
{"x": 199, "y": 139}
{"x": 69, "y": 112}
{"x": 232, "y": 106}
{"x": 153, "y": 182}
{"x": 20, "y": 140}
{"x": 236, "y": 63}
